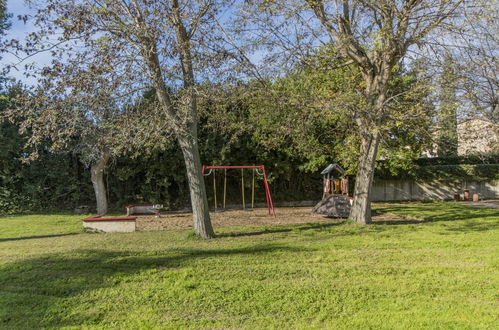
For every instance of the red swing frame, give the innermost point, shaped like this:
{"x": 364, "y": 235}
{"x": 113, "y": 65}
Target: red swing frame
{"x": 268, "y": 196}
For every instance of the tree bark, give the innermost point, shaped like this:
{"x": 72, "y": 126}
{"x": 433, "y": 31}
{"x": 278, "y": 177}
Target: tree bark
{"x": 183, "y": 123}
{"x": 97, "y": 175}
{"x": 361, "y": 208}
{"x": 200, "y": 213}
{"x": 186, "y": 134}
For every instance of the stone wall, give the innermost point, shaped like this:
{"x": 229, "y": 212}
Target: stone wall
{"x": 408, "y": 190}
{"x": 477, "y": 137}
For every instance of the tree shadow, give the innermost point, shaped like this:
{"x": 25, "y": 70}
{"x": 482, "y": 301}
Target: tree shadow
{"x": 35, "y": 237}
{"x": 33, "y": 289}
{"x": 310, "y": 226}
{"x": 455, "y": 215}
{"x": 399, "y": 222}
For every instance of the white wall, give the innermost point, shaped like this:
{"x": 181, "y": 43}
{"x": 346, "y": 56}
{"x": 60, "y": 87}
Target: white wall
{"x": 405, "y": 190}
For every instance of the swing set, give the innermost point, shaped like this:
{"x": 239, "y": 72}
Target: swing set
{"x": 258, "y": 170}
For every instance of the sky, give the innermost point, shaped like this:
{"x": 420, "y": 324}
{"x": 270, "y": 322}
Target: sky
{"x": 18, "y": 30}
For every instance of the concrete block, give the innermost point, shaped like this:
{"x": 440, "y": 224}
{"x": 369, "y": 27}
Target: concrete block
{"x": 143, "y": 209}
{"x": 110, "y": 225}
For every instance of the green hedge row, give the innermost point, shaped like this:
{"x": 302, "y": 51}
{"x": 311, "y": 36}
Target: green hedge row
{"x": 444, "y": 172}
{"x": 458, "y": 160}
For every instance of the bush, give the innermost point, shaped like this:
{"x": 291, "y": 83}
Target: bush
{"x": 12, "y": 203}
{"x": 458, "y": 160}
{"x": 458, "y": 172}
{"x": 442, "y": 172}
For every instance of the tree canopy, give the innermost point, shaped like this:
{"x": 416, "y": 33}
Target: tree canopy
{"x": 298, "y": 83}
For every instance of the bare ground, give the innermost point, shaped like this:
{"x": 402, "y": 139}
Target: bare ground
{"x": 257, "y": 217}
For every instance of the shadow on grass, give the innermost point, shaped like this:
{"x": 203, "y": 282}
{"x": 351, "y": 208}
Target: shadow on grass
{"x": 461, "y": 217}
{"x": 399, "y": 222}
{"x": 35, "y": 292}
{"x": 281, "y": 230}
{"x": 35, "y": 237}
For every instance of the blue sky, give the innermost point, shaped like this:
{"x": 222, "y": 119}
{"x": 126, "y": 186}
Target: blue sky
{"x": 18, "y": 30}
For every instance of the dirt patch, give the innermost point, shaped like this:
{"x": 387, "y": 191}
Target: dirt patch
{"x": 257, "y": 217}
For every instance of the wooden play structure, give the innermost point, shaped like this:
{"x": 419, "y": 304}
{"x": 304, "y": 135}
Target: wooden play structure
{"x": 257, "y": 171}
{"x": 335, "y": 200}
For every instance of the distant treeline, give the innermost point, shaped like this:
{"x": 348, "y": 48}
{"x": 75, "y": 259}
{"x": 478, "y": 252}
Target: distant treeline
{"x": 61, "y": 181}
{"x": 472, "y": 167}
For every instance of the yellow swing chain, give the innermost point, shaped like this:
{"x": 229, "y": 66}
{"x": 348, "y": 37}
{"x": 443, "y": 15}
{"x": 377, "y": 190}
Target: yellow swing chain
{"x": 242, "y": 188}
{"x": 215, "y": 189}
{"x": 225, "y": 187}
{"x": 253, "y": 191}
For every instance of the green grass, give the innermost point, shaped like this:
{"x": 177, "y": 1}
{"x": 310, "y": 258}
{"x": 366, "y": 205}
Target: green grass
{"x": 441, "y": 273}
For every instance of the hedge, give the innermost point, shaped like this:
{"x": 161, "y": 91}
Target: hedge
{"x": 478, "y": 172}
{"x": 458, "y": 160}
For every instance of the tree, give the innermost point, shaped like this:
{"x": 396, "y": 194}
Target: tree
{"x": 4, "y": 17}
{"x": 475, "y": 52}
{"x": 374, "y": 36}
{"x": 4, "y": 26}
{"x": 303, "y": 115}
{"x": 447, "y": 113}
{"x": 57, "y": 119}
{"x": 134, "y": 45}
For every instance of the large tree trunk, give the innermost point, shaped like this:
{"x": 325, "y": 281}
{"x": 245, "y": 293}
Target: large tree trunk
{"x": 376, "y": 91}
{"x": 97, "y": 174}
{"x": 200, "y": 214}
{"x": 361, "y": 208}
{"x": 184, "y": 124}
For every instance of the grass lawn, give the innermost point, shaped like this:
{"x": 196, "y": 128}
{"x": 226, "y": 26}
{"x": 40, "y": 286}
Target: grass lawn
{"x": 441, "y": 273}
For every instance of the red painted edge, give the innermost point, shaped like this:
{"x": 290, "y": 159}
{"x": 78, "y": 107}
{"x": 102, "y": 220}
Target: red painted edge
{"x": 107, "y": 219}
{"x": 268, "y": 196}
{"x": 132, "y": 205}
{"x": 243, "y": 166}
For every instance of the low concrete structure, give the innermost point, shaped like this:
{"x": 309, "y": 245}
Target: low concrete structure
{"x": 82, "y": 209}
{"x": 409, "y": 190}
{"x": 143, "y": 209}
{"x": 110, "y": 225}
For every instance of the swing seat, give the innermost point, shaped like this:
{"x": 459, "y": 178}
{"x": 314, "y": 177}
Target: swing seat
{"x": 258, "y": 169}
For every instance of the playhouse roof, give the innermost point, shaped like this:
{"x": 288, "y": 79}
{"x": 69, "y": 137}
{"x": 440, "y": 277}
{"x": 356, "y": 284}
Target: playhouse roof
{"x": 331, "y": 167}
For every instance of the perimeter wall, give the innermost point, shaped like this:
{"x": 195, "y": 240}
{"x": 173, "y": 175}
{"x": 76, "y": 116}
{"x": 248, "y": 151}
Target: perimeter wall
{"x": 411, "y": 190}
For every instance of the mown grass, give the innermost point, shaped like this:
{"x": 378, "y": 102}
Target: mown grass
{"x": 440, "y": 273}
